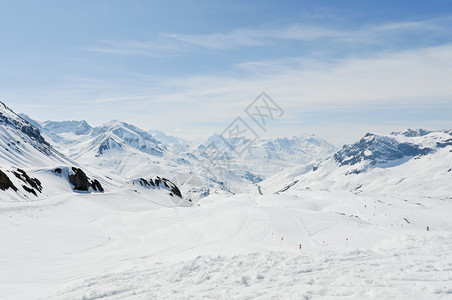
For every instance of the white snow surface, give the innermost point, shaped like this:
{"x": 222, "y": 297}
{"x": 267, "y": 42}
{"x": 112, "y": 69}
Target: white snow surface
{"x": 362, "y": 228}
{"x": 120, "y": 245}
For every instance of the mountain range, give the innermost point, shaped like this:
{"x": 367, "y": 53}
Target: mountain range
{"x": 417, "y": 162}
{"x": 117, "y": 155}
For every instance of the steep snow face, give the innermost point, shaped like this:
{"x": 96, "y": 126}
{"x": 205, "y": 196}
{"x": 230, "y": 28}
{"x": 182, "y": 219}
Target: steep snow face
{"x": 22, "y": 145}
{"x": 12, "y": 120}
{"x": 413, "y": 162}
{"x": 132, "y": 136}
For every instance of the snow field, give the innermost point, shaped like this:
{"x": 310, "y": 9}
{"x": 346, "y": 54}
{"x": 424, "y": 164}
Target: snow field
{"x": 119, "y": 246}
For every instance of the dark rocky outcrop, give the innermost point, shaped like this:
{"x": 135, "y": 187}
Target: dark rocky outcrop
{"x": 33, "y": 182}
{"x": 159, "y": 182}
{"x": 108, "y": 144}
{"x": 6, "y": 183}
{"x": 33, "y": 132}
{"x": 377, "y": 149}
{"x": 97, "y": 186}
{"x": 81, "y": 182}
{"x": 444, "y": 144}
{"x": 30, "y": 190}
{"x": 21, "y": 124}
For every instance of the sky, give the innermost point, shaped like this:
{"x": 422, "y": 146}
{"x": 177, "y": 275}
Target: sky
{"x": 337, "y": 69}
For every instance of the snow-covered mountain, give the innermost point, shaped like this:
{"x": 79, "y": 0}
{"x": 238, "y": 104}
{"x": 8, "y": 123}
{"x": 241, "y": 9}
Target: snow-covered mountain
{"x": 413, "y": 162}
{"x": 178, "y": 142}
{"x": 131, "y": 153}
{"x": 61, "y": 133}
{"x": 32, "y": 169}
{"x": 262, "y": 158}
{"x": 28, "y": 163}
{"x": 22, "y": 144}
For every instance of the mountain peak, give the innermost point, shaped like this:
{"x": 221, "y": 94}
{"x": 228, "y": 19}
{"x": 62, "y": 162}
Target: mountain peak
{"x": 377, "y": 149}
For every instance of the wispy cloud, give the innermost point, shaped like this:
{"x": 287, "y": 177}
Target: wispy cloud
{"x": 172, "y": 43}
{"x": 392, "y": 77}
{"x": 329, "y": 95}
{"x": 155, "y": 46}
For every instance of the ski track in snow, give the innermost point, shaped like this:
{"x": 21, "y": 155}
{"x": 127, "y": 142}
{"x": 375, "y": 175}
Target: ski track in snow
{"x": 276, "y": 275}
{"x": 114, "y": 246}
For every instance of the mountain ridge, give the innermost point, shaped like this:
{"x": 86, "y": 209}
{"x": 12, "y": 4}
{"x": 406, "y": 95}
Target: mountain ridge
{"x": 413, "y": 162}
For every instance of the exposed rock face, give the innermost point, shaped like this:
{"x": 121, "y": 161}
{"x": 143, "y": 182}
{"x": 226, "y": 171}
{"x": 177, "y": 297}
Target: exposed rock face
{"x": 108, "y": 144}
{"x": 159, "y": 182}
{"x": 5, "y": 182}
{"x": 9, "y": 117}
{"x": 33, "y": 132}
{"x": 81, "y": 182}
{"x": 33, "y": 182}
{"x": 97, "y": 186}
{"x": 377, "y": 149}
{"x": 444, "y": 144}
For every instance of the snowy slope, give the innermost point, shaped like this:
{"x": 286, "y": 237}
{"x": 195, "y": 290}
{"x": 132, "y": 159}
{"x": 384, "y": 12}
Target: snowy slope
{"x": 116, "y": 146}
{"x": 412, "y": 162}
{"x": 31, "y": 169}
{"x": 21, "y": 143}
{"x": 100, "y": 246}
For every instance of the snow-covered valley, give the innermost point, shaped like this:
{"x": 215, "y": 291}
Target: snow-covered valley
{"x": 103, "y": 213}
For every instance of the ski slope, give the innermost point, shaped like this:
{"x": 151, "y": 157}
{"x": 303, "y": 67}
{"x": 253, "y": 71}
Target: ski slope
{"x": 121, "y": 245}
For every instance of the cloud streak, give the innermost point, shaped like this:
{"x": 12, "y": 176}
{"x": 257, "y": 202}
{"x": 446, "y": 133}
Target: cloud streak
{"x": 173, "y": 43}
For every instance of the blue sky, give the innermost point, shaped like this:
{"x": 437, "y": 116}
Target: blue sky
{"x": 338, "y": 68}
